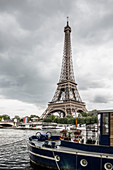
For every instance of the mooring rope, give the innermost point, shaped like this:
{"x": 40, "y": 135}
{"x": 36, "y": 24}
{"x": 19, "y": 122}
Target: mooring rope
{"x": 56, "y": 161}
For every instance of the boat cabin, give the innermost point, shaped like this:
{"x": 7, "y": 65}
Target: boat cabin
{"x": 105, "y": 127}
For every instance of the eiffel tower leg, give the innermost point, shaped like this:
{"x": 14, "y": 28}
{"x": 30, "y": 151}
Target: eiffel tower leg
{"x": 71, "y": 110}
{"x": 60, "y": 114}
{"x": 75, "y": 112}
{"x": 65, "y": 111}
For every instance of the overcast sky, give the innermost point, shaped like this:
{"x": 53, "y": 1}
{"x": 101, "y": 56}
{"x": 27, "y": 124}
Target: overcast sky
{"x": 31, "y": 50}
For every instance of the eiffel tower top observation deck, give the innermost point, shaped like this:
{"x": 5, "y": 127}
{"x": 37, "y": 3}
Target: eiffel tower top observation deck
{"x": 66, "y": 100}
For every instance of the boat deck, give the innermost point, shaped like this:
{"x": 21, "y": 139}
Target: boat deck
{"x": 71, "y": 150}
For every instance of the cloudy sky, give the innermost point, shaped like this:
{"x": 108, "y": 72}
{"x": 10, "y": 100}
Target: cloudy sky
{"x": 31, "y": 50}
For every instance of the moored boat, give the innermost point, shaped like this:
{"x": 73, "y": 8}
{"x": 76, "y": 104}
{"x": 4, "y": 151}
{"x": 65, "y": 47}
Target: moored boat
{"x": 55, "y": 152}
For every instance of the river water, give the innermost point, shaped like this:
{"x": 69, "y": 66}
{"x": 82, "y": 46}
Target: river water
{"x": 13, "y": 149}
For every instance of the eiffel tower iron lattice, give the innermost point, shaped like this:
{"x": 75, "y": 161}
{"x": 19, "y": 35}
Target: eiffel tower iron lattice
{"x": 66, "y": 100}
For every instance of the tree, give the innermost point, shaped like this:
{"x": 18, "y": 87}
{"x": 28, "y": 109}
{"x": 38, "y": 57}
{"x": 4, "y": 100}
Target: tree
{"x": 84, "y": 114}
{"x": 71, "y": 121}
{"x": 65, "y": 120}
{"x": 88, "y": 120}
{"x": 21, "y": 120}
{"x": 52, "y": 117}
{"x": 32, "y": 116}
{"x": 47, "y": 120}
{"x": 94, "y": 119}
{"x": 62, "y": 120}
{"x": 82, "y": 120}
{"x": 6, "y": 117}
{"x": 17, "y": 117}
{"x": 69, "y": 116}
{"x": 78, "y": 120}
{"x": 56, "y": 120}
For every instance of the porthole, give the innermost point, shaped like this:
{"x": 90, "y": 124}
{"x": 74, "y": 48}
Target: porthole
{"x": 57, "y": 158}
{"x": 108, "y": 166}
{"x": 84, "y": 162}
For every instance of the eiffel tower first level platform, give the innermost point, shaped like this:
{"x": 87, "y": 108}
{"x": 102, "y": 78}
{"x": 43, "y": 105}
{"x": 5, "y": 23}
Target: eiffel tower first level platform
{"x": 66, "y": 100}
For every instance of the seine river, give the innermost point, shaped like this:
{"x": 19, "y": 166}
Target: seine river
{"x": 13, "y": 149}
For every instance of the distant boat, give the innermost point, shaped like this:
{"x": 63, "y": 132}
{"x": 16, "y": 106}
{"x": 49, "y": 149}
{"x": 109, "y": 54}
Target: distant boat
{"x": 37, "y": 127}
{"x": 66, "y": 153}
{"x": 49, "y": 127}
{"x": 53, "y": 127}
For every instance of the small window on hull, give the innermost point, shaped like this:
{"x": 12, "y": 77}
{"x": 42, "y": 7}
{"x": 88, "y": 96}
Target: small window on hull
{"x": 108, "y": 166}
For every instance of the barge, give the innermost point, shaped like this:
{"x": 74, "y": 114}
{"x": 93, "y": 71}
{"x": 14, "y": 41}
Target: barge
{"x": 56, "y": 152}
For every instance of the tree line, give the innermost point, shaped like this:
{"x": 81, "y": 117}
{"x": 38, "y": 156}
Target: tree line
{"x": 7, "y": 117}
{"x": 82, "y": 118}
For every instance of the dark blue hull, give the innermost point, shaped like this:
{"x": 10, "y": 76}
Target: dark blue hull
{"x": 88, "y": 148}
{"x": 66, "y": 158}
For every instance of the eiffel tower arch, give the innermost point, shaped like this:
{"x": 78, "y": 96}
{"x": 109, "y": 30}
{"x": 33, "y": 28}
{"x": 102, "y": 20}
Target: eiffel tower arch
{"x": 66, "y": 100}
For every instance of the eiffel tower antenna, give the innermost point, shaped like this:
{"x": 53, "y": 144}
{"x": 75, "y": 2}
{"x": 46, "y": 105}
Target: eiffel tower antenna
{"x": 67, "y": 20}
{"x": 66, "y": 100}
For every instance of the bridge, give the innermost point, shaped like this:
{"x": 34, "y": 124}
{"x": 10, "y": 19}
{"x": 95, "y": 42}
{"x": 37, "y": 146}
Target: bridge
{"x": 6, "y": 124}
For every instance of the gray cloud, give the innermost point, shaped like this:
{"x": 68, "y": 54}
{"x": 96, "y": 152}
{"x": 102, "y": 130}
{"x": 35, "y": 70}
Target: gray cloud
{"x": 102, "y": 99}
{"x": 31, "y": 48}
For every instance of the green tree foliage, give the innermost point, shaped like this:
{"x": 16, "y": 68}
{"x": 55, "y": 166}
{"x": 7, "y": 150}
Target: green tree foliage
{"x": 47, "y": 120}
{"x": 52, "y": 117}
{"x": 17, "y": 117}
{"x": 69, "y": 116}
{"x": 81, "y": 119}
{"x": 21, "y": 119}
{"x": 32, "y": 116}
{"x": 5, "y": 117}
{"x": 63, "y": 120}
{"x": 56, "y": 120}
{"x": 71, "y": 121}
{"x": 84, "y": 114}
{"x": 88, "y": 120}
{"x": 94, "y": 119}
{"x": 85, "y": 119}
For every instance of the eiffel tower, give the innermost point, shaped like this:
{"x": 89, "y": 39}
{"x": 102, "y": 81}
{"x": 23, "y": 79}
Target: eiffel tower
{"x": 66, "y": 100}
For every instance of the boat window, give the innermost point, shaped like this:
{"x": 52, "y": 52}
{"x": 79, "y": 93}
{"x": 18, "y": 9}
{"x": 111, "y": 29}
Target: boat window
{"x": 99, "y": 118}
{"x": 105, "y": 124}
{"x": 84, "y": 162}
